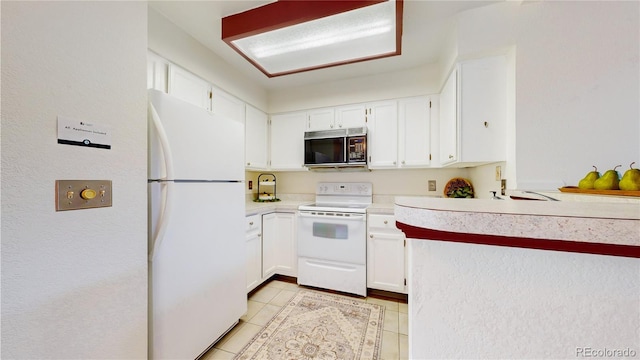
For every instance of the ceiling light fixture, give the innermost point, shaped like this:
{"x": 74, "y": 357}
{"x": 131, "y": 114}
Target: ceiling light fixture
{"x": 290, "y": 36}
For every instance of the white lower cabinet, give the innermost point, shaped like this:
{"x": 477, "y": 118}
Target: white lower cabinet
{"x": 253, "y": 251}
{"x": 386, "y": 253}
{"x": 279, "y": 245}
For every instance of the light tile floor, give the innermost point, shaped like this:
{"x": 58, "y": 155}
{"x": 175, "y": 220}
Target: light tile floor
{"x": 267, "y": 301}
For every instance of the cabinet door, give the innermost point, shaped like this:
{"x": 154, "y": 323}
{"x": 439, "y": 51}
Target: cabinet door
{"x": 227, "y": 105}
{"x": 254, "y": 260}
{"x": 287, "y": 244}
{"x": 256, "y": 134}
{"x": 188, "y": 87}
{"x": 414, "y": 146}
{"x": 269, "y": 245}
{"x": 349, "y": 116}
{"x": 287, "y": 141}
{"x": 157, "y": 72}
{"x": 320, "y": 119}
{"x": 482, "y": 110}
{"x": 253, "y": 251}
{"x": 386, "y": 261}
{"x": 448, "y": 120}
{"x": 382, "y": 120}
{"x": 279, "y": 255}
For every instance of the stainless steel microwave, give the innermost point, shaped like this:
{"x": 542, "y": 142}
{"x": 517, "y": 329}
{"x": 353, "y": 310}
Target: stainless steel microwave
{"x": 336, "y": 148}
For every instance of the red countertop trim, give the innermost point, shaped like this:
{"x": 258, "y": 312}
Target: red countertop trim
{"x": 414, "y": 232}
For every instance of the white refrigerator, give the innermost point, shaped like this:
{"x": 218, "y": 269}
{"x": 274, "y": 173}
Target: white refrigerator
{"x": 196, "y": 235}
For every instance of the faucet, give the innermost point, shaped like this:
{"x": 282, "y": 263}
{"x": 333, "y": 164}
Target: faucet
{"x": 543, "y": 195}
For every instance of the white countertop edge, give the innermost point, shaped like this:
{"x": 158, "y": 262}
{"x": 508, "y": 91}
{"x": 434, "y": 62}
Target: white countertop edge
{"x": 603, "y": 210}
{"x": 468, "y": 216}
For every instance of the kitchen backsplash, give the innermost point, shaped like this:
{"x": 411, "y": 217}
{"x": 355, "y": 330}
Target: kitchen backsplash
{"x": 386, "y": 183}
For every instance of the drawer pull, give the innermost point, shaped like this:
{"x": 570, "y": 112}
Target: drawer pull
{"x": 386, "y": 222}
{"x": 251, "y": 223}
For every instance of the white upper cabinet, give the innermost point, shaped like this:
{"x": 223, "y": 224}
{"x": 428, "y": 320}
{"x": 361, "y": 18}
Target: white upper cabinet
{"x": 350, "y": 116}
{"x": 227, "y": 105}
{"x": 191, "y": 88}
{"x": 473, "y": 111}
{"x": 320, "y": 119}
{"x": 157, "y": 70}
{"x": 339, "y": 117}
{"x": 448, "y": 120}
{"x": 188, "y": 87}
{"x": 256, "y": 134}
{"x": 414, "y": 132}
{"x": 382, "y": 121}
{"x": 287, "y": 141}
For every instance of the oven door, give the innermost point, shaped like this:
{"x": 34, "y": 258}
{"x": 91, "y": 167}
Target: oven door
{"x": 339, "y": 237}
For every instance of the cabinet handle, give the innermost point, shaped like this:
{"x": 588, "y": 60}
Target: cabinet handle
{"x": 386, "y": 222}
{"x": 371, "y": 236}
{"x": 394, "y": 163}
{"x": 250, "y": 223}
{"x": 450, "y": 156}
{"x": 248, "y": 164}
{"x": 331, "y": 126}
{"x": 402, "y": 162}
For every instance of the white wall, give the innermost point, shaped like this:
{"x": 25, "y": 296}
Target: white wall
{"x": 577, "y": 84}
{"x": 74, "y": 283}
{"x": 173, "y": 44}
{"x": 423, "y": 80}
{"x": 491, "y": 302}
{"x": 577, "y": 91}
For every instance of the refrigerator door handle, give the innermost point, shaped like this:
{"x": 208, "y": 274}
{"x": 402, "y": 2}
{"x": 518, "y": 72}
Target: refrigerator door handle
{"x": 166, "y": 206}
{"x": 164, "y": 142}
{"x": 166, "y": 202}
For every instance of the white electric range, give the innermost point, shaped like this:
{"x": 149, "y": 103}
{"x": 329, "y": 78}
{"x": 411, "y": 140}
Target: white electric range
{"x": 332, "y": 244}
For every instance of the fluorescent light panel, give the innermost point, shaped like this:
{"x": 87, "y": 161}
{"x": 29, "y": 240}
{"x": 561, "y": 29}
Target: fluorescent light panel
{"x": 355, "y": 35}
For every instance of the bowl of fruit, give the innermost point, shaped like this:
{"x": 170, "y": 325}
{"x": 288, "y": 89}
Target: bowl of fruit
{"x": 458, "y": 188}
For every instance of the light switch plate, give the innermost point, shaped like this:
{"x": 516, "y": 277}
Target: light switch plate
{"x": 82, "y": 194}
{"x": 432, "y": 185}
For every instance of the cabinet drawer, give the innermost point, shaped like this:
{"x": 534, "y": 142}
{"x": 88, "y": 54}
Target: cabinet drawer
{"x": 253, "y": 223}
{"x": 382, "y": 221}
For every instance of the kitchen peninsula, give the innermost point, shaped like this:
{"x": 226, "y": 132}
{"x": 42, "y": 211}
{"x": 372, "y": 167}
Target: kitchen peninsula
{"x": 521, "y": 279}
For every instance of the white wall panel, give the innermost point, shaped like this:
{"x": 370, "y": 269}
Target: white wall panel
{"x": 74, "y": 283}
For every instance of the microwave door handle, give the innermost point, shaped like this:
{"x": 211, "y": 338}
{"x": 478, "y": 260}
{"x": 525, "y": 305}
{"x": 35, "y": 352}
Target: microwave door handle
{"x": 346, "y": 150}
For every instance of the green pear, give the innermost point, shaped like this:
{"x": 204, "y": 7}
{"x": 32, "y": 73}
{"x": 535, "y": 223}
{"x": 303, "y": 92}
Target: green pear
{"x": 608, "y": 181}
{"x": 589, "y": 179}
{"x": 631, "y": 179}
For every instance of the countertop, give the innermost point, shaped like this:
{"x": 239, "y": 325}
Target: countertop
{"x": 253, "y": 208}
{"x": 603, "y": 225}
{"x": 291, "y": 202}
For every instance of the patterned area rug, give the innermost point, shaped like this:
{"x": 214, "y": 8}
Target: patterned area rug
{"x": 319, "y": 326}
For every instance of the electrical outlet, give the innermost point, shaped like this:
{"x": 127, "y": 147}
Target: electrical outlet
{"x": 503, "y": 186}
{"x": 498, "y": 173}
{"x": 250, "y": 185}
{"x": 432, "y": 185}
